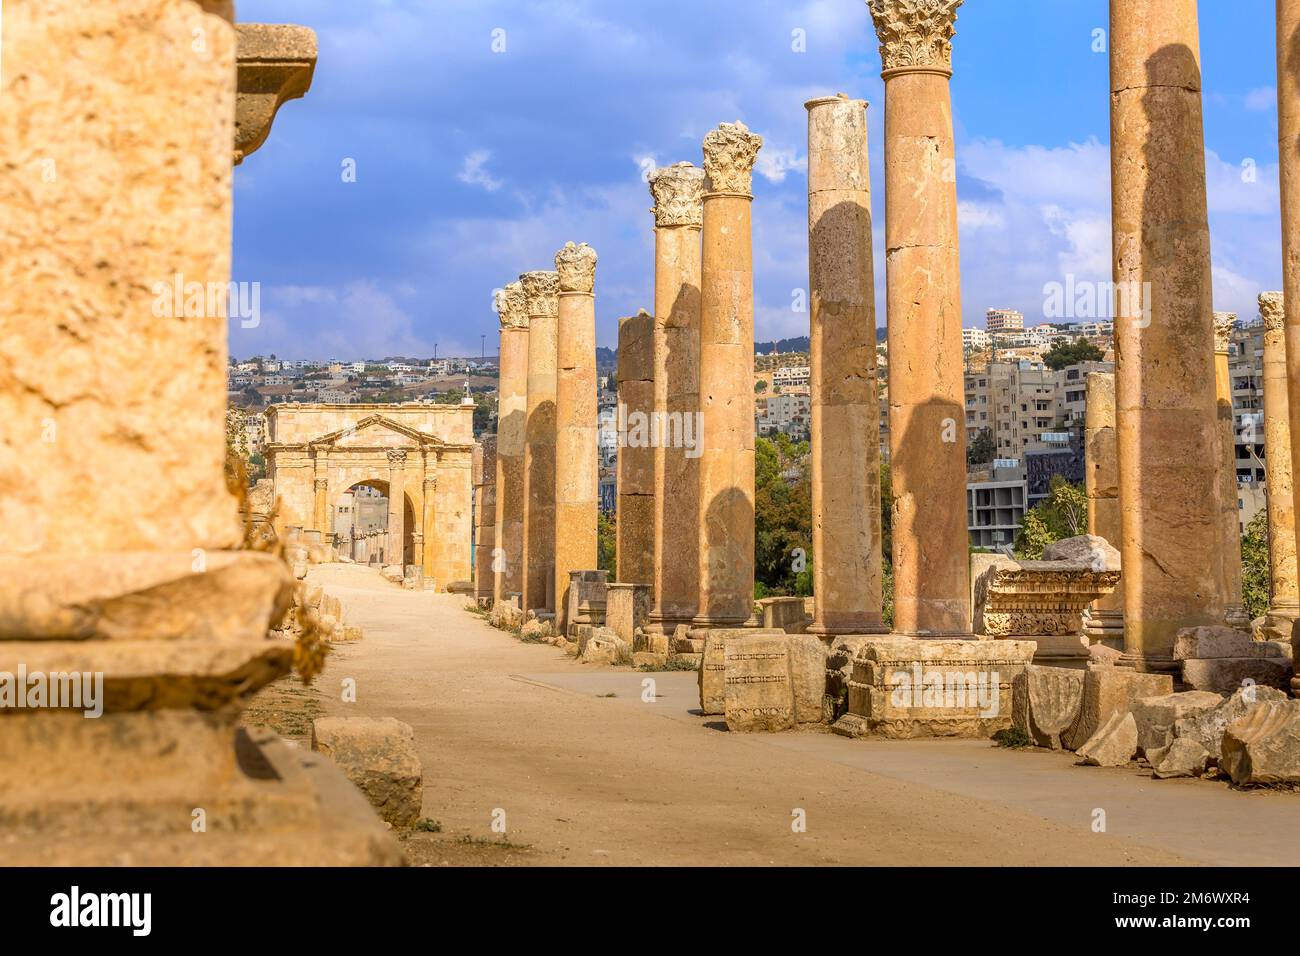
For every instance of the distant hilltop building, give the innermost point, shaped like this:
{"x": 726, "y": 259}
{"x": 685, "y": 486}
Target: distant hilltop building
{"x": 1004, "y": 320}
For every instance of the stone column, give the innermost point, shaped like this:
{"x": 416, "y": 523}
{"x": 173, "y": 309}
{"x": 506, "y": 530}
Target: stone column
{"x": 541, "y": 295}
{"x": 394, "y": 553}
{"x": 577, "y": 458}
{"x": 1164, "y": 380}
{"x": 727, "y": 379}
{"x": 485, "y": 510}
{"x": 320, "y": 487}
{"x": 926, "y": 386}
{"x": 678, "y": 193}
{"x": 1101, "y": 483}
{"x": 634, "y": 543}
{"x": 426, "y": 546}
{"x": 512, "y": 415}
{"x": 845, "y": 405}
{"x": 1234, "y": 612}
{"x": 1284, "y": 597}
{"x": 1288, "y": 129}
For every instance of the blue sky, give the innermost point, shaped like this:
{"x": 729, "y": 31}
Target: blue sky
{"x": 473, "y": 165}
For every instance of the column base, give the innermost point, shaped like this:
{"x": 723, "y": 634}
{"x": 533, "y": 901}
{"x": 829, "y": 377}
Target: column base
{"x": 661, "y": 623}
{"x": 1150, "y": 663}
{"x": 1278, "y": 623}
{"x": 1234, "y": 615}
{"x": 840, "y": 630}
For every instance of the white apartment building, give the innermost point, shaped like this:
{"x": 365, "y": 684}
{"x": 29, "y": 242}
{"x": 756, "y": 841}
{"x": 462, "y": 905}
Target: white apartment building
{"x": 792, "y": 375}
{"x": 1004, "y": 320}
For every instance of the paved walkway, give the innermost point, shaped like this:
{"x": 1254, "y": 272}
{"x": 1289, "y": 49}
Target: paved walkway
{"x": 587, "y": 771}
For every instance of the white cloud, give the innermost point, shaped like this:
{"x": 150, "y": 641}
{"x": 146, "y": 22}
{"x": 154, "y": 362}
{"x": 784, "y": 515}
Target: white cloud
{"x": 774, "y": 162}
{"x": 473, "y": 171}
{"x": 974, "y": 215}
{"x": 1261, "y": 100}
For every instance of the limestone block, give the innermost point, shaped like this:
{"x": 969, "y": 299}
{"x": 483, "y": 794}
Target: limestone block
{"x": 603, "y": 646}
{"x": 712, "y": 672}
{"x": 1157, "y": 716}
{"x": 839, "y": 670}
{"x": 1214, "y": 643}
{"x": 1101, "y": 655}
{"x": 1114, "y": 743}
{"x": 1111, "y": 690}
{"x": 627, "y": 609}
{"x": 350, "y": 633}
{"x": 394, "y": 573}
{"x": 378, "y": 755}
{"x": 646, "y": 659}
{"x": 1046, "y": 702}
{"x": 932, "y": 688}
{"x": 1263, "y": 747}
{"x": 808, "y": 675}
{"x": 1224, "y": 675}
{"x": 536, "y": 630}
{"x": 1090, "y": 550}
{"x": 1183, "y": 758}
{"x": 784, "y": 613}
{"x": 312, "y": 595}
{"x": 759, "y": 694}
{"x": 1208, "y": 728}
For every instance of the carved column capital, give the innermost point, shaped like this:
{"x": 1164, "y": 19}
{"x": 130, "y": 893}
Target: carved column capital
{"x": 576, "y": 265}
{"x": 397, "y": 458}
{"x": 915, "y": 34}
{"x": 729, "y": 155}
{"x": 678, "y": 193}
{"x": 322, "y": 484}
{"x": 541, "y": 292}
{"x": 1272, "y": 309}
{"x": 1224, "y": 323}
{"x": 276, "y": 62}
{"x": 512, "y": 309}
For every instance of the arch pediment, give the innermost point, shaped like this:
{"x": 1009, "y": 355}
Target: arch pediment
{"x": 377, "y": 431}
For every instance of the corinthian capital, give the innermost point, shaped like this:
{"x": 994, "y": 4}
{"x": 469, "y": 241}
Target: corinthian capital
{"x": 915, "y": 34}
{"x": 541, "y": 292}
{"x": 577, "y": 267}
{"x": 678, "y": 192}
{"x": 1272, "y": 310}
{"x": 511, "y": 307}
{"x": 729, "y": 154}
{"x": 1224, "y": 323}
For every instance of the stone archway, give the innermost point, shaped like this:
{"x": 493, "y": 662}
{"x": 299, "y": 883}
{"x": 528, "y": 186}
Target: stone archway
{"x": 419, "y": 456}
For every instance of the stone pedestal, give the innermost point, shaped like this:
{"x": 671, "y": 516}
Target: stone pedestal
{"x": 726, "y": 501}
{"x": 587, "y": 590}
{"x": 784, "y": 614}
{"x": 1284, "y": 599}
{"x": 627, "y": 608}
{"x": 1234, "y": 612}
{"x": 512, "y": 417}
{"x": 158, "y": 623}
{"x": 1164, "y": 381}
{"x": 926, "y": 386}
{"x": 679, "y": 216}
{"x": 1105, "y": 621}
{"x": 634, "y": 542}
{"x": 541, "y": 296}
{"x": 577, "y": 458}
{"x": 846, "y": 530}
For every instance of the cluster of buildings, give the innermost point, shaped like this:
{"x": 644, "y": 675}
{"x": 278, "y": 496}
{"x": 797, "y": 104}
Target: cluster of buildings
{"x": 1005, "y": 329}
{"x": 259, "y": 382}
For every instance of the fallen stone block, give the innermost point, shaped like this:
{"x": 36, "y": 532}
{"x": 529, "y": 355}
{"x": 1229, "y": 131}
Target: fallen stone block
{"x": 378, "y": 755}
{"x": 1046, "y": 702}
{"x": 839, "y": 670}
{"x": 1157, "y": 716}
{"x": 605, "y": 647}
{"x": 1101, "y": 655}
{"x": 759, "y": 693}
{"x": 1208, "y": 728}
{"x": 1089, "y": 550}
{"x": 1216, "y": 642}
{"x": 1225, "y": 674}
{"x": 712, "y": 672}
{"x": 1114, "y": 744}
{"x": 1263, "y": 747}
{"x": 1110, "y": 690}
{"x": 536, "y": 630}
{"x": 393, "y": 573}
{"x": 1183, "y": 758}
{"x": 650, "y": 660}
{"x": 808, "y": 675}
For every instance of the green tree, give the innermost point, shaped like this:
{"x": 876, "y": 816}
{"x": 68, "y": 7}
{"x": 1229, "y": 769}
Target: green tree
{"x": 605, "y": 545}
{"x": 982, "y": 450}
{"x": 760, "y": 386}
{"x": 1062, "y": 514}
{"x": 782, "y": 513}
{"x": 1064, "y": 354}
{"x": 1254, "y": 565}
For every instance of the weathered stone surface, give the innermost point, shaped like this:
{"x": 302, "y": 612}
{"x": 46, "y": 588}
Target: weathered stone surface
{"x": 1157, "y": 716}
{"x": 1224, "y": 675}
{"x": 1208, "y": 728}
{"x": 603, "y": 646}
{"x": 932, "y": 688}
{"x": 1111, "y": 690}
{"x": 1046, "y": 702}
{"x": 536, "y": 630}
{"x": 1183, "y": 758}
{"x": 1089, "y": 550}
{"x": 506, "y": 617}
{"x": 759, "y": 692}
{"x": 378, "y": 755}
{"x": 784, "y": 614}
{"x": 1038, "y": 598}
{"x": 627, "y": 609}
{"x": 839, "y": 671}
{"x": 275, "y": 65}
{"x": 808, "y": 655}
{"x": 713, "y": 666}
{"x": 1220, "y": 642}
{"x": 1263, "y": 747}
{"x": 1114, "y": 743}
{"x": 1101, "y": 655}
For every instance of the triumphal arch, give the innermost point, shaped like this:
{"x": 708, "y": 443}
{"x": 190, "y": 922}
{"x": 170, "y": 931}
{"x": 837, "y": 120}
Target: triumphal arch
{"x": 416, "y": 455}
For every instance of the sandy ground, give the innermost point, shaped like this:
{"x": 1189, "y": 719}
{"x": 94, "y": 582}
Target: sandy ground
{"x": 585, "y": 767}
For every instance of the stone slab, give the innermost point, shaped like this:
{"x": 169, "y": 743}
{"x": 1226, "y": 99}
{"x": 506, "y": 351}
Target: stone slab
{"x": 378, "y": 755}
{"x": 1108, "y": 690}
{"x": 759, "y": 691}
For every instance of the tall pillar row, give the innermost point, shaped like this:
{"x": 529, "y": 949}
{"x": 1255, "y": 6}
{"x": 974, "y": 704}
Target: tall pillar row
{"x": 512, "y": 415}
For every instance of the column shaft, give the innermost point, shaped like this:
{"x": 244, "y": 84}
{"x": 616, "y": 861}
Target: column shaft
{"x": 1164, "y": 381}
{"x": 512, "y": 415}
{"x": 845, "y": 407}
{"x": 634, "y": 561}
{"x": 1101, "y": 483}
{"x": 541, "y": 290}
{"x": 1234, "y": 612}
{"x": 1284, "y": 599}
{"x": 395, "y": 552}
